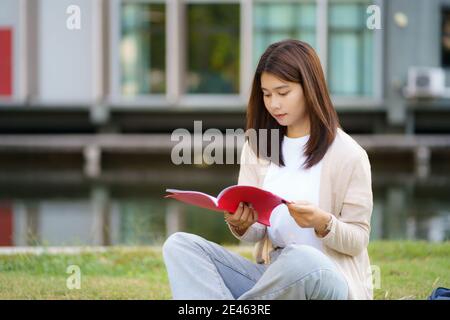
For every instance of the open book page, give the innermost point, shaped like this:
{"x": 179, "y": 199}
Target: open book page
{"x": 262, "y": 201}
{"x": 194, "y": 197}
{"x": 225, "y": 190}
{"x": 228, "y": 200}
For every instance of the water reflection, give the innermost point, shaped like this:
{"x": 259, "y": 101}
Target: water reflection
{"x": 141, "y": 216}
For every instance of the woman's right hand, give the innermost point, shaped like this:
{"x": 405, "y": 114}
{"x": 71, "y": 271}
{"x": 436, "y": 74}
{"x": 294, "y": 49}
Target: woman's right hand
{"x": 242, "y": 218}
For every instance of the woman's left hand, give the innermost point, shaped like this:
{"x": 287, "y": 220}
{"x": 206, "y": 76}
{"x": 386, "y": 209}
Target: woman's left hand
{"x": 307, "y": 215}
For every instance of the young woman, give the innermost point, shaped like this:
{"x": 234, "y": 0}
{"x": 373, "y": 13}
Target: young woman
{"x": 315, "y": 247}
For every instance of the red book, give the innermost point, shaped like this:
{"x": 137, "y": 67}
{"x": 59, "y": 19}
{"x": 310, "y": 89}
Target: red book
{"x": 228, "y": 200}
{"x": 6, "y": 62}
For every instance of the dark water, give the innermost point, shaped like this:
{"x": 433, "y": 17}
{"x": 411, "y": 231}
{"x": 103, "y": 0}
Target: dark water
{"x": 60, "y": 207}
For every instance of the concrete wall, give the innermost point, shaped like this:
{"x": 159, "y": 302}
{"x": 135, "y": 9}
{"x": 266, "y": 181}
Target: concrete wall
{"x": 69, "y": 60}
{"x": 416, "y": 44}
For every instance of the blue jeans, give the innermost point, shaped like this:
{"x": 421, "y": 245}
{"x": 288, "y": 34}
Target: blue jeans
{"x": 201, "y": 269}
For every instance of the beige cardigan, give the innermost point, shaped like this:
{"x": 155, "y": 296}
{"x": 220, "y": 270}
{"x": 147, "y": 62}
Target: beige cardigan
{"x": 346, "y": 193}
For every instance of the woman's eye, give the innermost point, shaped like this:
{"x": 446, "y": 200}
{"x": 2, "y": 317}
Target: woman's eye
{"x": 283, "y": 94}
{"x": 267, "y": 95}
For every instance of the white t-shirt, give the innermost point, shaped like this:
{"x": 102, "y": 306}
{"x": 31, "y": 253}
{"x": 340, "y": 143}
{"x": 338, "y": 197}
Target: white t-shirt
{"x": 292, "y": 182}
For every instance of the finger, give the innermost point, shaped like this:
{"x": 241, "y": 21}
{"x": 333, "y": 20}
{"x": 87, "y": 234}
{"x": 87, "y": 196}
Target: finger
{"x": 292, "y": 207}
{"x": 251, "y": 217}
{"x": 295, "y": 213}
{"x": 245, "y": 214}
{"x": 237, "y": 215}
{"x": 255, "y": 216}
{"x": 298, "y": 210}
{"x": 251, "y": 214}
{"x": 295, "y": 207}
{"x": 248, "y": 222}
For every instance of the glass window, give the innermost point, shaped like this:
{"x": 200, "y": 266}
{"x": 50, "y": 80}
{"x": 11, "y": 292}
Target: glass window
{"x": 350, "y": 50}
{"x": 273, "y": 22}
{"x": 213, "y": 47}
{"x": 142, "y": 49}
{"x": 445, "y": 37}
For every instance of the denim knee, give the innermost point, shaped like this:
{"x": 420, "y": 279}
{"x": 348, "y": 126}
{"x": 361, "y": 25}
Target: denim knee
{"x": 302, "y": 262}
{"x": 304, "y": 253}
{"x": 177, "y": 240}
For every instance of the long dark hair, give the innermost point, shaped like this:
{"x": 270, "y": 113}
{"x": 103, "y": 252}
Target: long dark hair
{"x": 294, "y": 61}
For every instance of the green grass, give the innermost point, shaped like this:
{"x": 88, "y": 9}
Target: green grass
{"x": 409, "y": 270}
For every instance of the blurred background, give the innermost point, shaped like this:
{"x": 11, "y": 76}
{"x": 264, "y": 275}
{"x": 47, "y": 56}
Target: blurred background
{"x": 91, "y": 90}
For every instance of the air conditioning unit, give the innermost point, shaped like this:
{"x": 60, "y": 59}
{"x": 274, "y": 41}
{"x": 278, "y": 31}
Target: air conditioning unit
{"x": 425, "y": 82}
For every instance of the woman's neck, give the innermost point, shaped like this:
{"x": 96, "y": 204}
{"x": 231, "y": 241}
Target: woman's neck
{"x": 299, "y": 130}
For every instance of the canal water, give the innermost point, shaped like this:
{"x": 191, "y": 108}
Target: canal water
{"x": 51, "y": 203}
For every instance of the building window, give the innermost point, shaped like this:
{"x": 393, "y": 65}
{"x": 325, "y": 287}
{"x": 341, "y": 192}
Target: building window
{"x": 350, "y": 50}
{"x": 213, "y": 47}
{"x": 142, "y": 49}
{"x": 445, "y": 37}
{"x": 211, "y": 38}
{"x": 274, "y": 21}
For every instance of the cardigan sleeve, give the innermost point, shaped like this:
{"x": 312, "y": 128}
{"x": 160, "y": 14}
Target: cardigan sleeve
{"x": 253, "y": 234}
{"x": 350, "y": 230}
{"x": 248, "y": 175}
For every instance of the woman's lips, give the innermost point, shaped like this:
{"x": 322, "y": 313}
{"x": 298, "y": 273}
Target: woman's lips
{"x": 280, "y": 116}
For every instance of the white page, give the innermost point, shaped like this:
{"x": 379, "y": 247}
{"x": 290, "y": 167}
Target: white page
{"x": 196, "y": 192}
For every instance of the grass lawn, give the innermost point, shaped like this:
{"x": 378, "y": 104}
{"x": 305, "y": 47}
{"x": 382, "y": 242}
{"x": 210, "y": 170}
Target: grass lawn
{"x": 409, "y": 270}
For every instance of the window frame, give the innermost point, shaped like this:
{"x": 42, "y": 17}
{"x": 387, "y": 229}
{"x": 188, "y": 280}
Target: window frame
{"x": 376, "y": 101}
{"x": 322, "y": 24}
{"x": 176, "y": 98}
{"x": 207, "y": 100}
{"x": 115, "y": 97}
{"x": 314, "y": 2}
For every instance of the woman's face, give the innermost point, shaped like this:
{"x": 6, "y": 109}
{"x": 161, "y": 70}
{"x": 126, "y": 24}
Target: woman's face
{"x": 285, "y": 101}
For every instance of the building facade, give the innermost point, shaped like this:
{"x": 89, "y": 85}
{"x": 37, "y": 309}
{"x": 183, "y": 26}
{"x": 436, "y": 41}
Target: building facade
{"x": 126, "y": 65}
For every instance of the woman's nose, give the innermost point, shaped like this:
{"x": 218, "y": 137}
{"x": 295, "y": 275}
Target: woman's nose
{"x": 274, "y": 103}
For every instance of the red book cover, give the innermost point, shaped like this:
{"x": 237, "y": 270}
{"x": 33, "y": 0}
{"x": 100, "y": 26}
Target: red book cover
{"x": 228, "y": 200}
{"x": 6, "y": 224}
{"x": 6, "y": 42}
